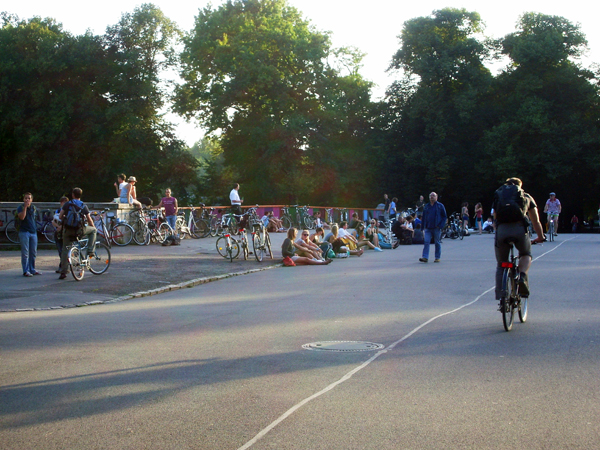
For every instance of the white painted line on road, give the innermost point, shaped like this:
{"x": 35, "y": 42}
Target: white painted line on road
{"x": 346, "y": 377}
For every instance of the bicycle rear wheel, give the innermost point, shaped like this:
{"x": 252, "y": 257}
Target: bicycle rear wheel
{"x": 506, "y": 305}
{"x": 100, "y": 261}
{"x": 200, "y": 228}
{"x": 523, "y": 310}
{"x": 286, "y": 222}
{"x": 141, "y": 235}
{"x": 49, "y": 232}
{"x": 11, "y": 232}
{"x": 75, "y": 265}
{"x": 257, "y": 246}
{"x": 268, "y": 250}
{"x": 214, "y": 226}
{"x": 233, "y": 250}
{"x": 122, "y": 234}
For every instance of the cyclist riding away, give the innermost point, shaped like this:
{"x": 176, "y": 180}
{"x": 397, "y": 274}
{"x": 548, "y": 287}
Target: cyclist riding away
{"x": 553, "y": 208}
{"x": 512, "y": 207}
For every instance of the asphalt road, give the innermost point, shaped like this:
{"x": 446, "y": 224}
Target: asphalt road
{"x": 221, "y": 366}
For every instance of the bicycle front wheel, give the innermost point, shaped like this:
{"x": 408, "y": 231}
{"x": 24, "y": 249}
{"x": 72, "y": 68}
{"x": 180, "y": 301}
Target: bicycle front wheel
{"x": 141, "y": 236}
{"x": 200, "y": 228}
{"x": 100, "y": 261}
{"x": 462, "y": 231}
{"x": 233, "y": 249}
{"x": 523, "y": 310}
{"x": 257, "y": 246}
{"x": 122, "y": 234}
{"x": 286, "y": 222}
{"x": 49, "y": 232}
{"x": 75, "y": 265}
{"x": 164, "y": 231}
{"x": 222, "y": 246}
{"x": 309, "y": 222}
{"x": 11, "y": 232}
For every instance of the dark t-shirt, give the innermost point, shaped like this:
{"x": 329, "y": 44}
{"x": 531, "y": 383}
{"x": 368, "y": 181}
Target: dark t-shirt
{"x": 84, "y": 210}
{"x": 28, "y": 223}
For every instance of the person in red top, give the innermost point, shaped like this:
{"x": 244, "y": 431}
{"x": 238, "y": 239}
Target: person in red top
{"x": 170, "y": 205}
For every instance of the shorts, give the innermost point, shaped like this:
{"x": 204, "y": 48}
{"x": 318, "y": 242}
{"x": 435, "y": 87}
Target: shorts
{"x": 515, "y": 232}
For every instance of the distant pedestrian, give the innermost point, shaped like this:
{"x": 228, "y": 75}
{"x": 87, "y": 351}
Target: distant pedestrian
{"x": 574, "y": 223}
{"x": 170, "y": 204}
{"x": 433, "y": 221}
{"x": 28, "y": 235}
{"x": 479, "y": 217}
{"x": 236, "y": 201}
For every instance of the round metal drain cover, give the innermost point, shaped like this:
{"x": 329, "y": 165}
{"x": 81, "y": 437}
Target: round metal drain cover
{"x": 343, "y": 346}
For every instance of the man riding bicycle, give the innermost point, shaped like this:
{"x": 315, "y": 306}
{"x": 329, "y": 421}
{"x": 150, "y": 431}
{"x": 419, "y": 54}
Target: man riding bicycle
{"x": 512, "y": 207}
{"x": 553, "y": 208}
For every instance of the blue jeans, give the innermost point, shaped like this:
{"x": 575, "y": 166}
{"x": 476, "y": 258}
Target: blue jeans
{"x": 29, "y": 242}
{"x": 437, "y": 234}
{"x": 171, "y": 220}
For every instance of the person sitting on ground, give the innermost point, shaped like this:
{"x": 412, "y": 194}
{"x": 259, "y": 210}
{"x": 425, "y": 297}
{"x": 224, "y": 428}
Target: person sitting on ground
{"x": 361, "y": 238}
{"x": 289, "y": 249}
{"x": 278, "y": 224}
{"x": 129, "y": 195}
{"x": 346, "y": 243}
{"x": 488, "y": 225}
{"x": 318, "y": 238}
{"x": 372, "y": 233}
{"x": 319, "y": 222}
{"x": 355, "y": 221}
{"x": 266, "y": 222}
{"x": 305, "y": 247}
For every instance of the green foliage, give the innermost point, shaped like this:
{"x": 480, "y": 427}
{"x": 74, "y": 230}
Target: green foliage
{"x": 77, "y": 110}
{"x": 257, "y": 74}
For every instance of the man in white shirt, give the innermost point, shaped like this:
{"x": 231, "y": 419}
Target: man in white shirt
{"x": 236, "y": 201}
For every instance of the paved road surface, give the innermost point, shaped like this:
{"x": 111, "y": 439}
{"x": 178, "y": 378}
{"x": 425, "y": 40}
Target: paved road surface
{"x": 221, "y": 366}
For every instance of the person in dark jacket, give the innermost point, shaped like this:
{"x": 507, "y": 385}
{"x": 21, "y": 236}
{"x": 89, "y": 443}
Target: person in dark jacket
{"x": 433, "y": 221}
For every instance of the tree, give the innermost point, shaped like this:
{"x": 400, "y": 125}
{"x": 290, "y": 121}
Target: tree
{"x": 256, "y": 74}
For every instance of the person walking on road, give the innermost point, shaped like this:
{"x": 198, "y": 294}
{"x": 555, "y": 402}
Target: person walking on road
{"x": 28, "y": 235}
{"x": 433, "y": 221}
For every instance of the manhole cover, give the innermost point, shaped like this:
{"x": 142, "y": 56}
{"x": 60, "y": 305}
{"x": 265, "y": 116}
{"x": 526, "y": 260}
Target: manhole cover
{"x": 343, "y": 346}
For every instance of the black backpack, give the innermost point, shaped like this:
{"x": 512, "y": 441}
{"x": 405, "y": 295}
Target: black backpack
{"x": 510, "y": 204}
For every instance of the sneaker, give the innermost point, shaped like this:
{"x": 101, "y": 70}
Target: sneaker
{"x": 436, "y": 260}
{"x": 377, "y": 249}
{"x": 27, "y": 274}
{"x": 396, "y": 244}
{"x": 423, "y": 260}
{"x": 523, "y": 285}
{"x": 62, "y": 276}
{"x": 36, "y": 273}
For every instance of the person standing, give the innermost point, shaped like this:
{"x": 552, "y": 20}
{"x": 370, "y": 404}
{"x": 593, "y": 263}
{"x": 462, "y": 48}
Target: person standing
{"x": 479, "y": 217}
{"x": 70, "y": 233}
{"x": 574, "y": 223}
{"x": 236, "y": 201}
{"x": 386, "y": 208}
{"x": 553, "y": 209}
{"x": 393, "y": 208}
{"x": 28, "y": 235}
{"x": 420, "y": 204}
{"x": 171, "y": 208}
{"x": 433, "y": 221}
{"x": 511, "y": 207}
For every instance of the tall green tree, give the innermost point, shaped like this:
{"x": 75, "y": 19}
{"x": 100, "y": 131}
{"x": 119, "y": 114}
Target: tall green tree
{"x": 436, "y": 112}
{"x": 256, "y": 74}
{"x": 547, "y": 113}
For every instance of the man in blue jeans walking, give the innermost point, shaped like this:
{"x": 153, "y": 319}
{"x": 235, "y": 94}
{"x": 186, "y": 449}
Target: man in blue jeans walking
{"x": 433, "y": 221}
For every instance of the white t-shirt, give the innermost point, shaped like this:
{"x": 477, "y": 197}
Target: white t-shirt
{"x": 343, "y": 233}
{"x": 235, "y": 197}
{"x": 265, "y": 220}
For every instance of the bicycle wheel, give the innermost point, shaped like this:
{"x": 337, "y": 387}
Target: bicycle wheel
{"x": 268, "y": 250}
{"x": 257, "y": 246}
{"x": 11, "y": 232}
{"x": 200, "y": 228}
{"x": 49, "y": 232}
{"x": 506, "y": 305}
{"x": 214, "y": 226}
{"x": 233, "y": 250}
{"x": 551, "y": 231}
{"x": 122, "y": 234}
{"x": 245, "y": 246}
{"x": 100, "y": 261}
{"x": 222, "y": 246}
{"x": 75, "y": 265}
{"x": 461, "y": 232}
{"x": 140, "y": 233}
{"x": 164, "y": 231}
{"x": 523, "y": 309}
{"x": 286, "y": 222}
{"x": 309, "y": 222}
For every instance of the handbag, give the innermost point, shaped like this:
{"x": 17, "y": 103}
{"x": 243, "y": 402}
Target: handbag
{"x": 288, "y": 262}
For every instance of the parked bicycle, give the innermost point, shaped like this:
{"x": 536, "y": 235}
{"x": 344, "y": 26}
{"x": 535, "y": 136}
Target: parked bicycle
{"x": 286, "y": 218}
{"x": 43, "y": 225}
{"x": 511, "y": 300}
{"x": 119, "y": 232}
{"x": 453, "y": 227}
{"x": 97, "y": 262}
{"x": 261, "y": 242}
{"x": 228, "y": 247}
{"x": 139, "y": 222}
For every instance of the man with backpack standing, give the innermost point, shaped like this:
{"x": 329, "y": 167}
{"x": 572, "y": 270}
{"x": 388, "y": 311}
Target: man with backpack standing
{"x": 72, "y": 215}
{"x": 512, "y": 206}
{"x": 25, "y": 220}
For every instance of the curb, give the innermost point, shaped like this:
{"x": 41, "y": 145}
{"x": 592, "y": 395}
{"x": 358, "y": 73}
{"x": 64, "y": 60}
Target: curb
{"x": 162, "y": 290}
